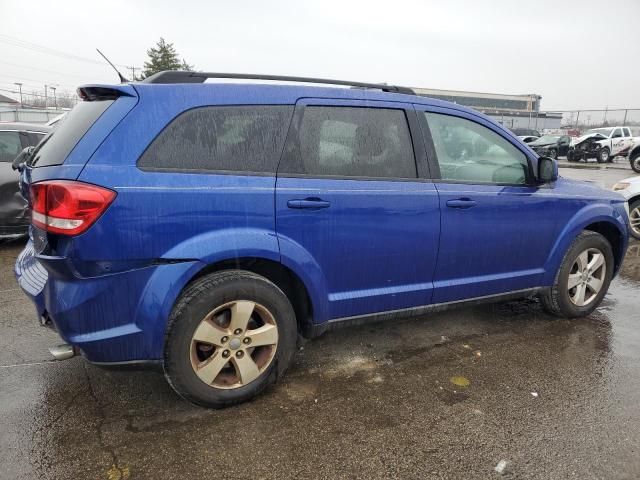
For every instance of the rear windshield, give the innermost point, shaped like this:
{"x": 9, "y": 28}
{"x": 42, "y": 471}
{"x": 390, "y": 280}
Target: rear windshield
{"x": 57, "y": 145}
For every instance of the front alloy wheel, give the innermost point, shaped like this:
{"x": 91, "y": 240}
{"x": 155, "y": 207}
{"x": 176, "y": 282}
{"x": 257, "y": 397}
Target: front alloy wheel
{"x": 634, "y": 219}
{"x": 586, "y": 277}
{"x": 234, "y": 344}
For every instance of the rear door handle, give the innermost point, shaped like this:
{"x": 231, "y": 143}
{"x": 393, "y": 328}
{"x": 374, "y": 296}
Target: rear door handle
{"x": 461, "y": 203}
{"x": 308, "y": 203}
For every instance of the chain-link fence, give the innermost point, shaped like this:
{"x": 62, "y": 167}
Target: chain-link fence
{"x": 585, "y": 119}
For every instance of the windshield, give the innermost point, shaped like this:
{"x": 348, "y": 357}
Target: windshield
{"x": 602, "y": 131}
{"x": 548, "y": 139}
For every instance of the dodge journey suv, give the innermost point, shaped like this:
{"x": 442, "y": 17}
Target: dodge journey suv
{"x": 204, "y": 226}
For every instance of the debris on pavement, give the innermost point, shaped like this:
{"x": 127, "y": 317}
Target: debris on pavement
{"x": 460, "y": 381}
{"x": 501, "y": 466}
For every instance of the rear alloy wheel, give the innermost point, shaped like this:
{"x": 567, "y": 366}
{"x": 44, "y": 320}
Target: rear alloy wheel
{"x": 583, "y": 278}
{"x": 635, "y": 163}
{"x": 634, "y": 218}
{"x": 603, "y": 155}
{"x": 231, "y": 334}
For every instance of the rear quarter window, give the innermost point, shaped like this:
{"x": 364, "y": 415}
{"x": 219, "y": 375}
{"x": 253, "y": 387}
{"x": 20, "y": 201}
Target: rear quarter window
{"x": 57, "y": 145}
{"x": 228, "y": 139}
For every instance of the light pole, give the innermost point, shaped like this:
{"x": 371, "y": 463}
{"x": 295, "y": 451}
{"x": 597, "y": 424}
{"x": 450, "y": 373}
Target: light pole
{"x": 55, "y": 102}
{"x": 45, "y": 97}
{"x": 19, "y": 88}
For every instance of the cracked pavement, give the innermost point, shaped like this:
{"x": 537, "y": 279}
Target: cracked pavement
{"x": 551, "y": 397}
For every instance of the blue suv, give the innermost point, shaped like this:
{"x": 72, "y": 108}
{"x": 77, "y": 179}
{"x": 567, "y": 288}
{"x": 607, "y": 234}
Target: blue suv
{"x": 204, "y": 226}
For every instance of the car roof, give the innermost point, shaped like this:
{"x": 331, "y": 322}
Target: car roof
{"x": 25, "y": 127}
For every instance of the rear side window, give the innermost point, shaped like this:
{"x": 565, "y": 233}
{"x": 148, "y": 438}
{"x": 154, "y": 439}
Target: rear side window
{"x": 245, "y": 138}
{"x": 58, "y": 144}
{"x": 10, "y": 146}
{"x": 352, "y": 142}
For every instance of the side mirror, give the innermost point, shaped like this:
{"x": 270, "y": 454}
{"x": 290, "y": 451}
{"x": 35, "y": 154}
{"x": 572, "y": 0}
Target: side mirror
{"x": 547, "y": 170}
{"x": 19, "y": 162}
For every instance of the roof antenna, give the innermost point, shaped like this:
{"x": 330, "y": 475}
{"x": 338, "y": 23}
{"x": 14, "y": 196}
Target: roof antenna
{"x": 122, "y": 79}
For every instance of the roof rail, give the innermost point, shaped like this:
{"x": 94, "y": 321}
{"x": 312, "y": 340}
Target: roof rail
{"x": 177, "y": 76}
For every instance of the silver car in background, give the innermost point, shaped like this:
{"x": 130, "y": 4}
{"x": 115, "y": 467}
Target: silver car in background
{"x": 14, "y": 137}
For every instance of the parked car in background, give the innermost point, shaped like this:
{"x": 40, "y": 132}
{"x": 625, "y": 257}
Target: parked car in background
{"x": 526, "y": 132}
{"x": 14, "y": 137}
{"x": 629, "y": 188}
{"x": 603, "y": 144}
{"x": 551, "y": 146}
{"x": 204, "y": 226}
{"x": 528, "y": 138}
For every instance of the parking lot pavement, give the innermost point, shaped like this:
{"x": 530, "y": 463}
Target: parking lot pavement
{"x": 552, "y": 398}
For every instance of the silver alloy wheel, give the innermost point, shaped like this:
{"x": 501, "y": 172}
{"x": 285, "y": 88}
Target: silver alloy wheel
{"x": 234, "y": 344}
{"x": 604, "y": 155}
{"x": 634, "y": 220}
{"x": 636, "y": 164}
{"x": 586, "y": 277}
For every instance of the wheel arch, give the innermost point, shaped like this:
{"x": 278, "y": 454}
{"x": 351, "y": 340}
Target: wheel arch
{"x": 599, "y": 218}
{"x": 282, "y": 276}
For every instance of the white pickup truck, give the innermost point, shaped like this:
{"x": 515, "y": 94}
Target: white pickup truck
{"x": 603, "y": 144}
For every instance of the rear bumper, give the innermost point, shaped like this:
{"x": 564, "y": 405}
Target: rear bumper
{"x": 119, "y": 317}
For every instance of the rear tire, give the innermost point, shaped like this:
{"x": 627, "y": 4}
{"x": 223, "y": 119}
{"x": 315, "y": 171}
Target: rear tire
{"x": 635, "y": 163}
{"x": 563, "y": 298}
{"x": 231, "y": 334}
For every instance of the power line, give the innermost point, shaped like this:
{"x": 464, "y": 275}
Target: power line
{"x": 49, "y": 71}
{"x": 16, "y": 42}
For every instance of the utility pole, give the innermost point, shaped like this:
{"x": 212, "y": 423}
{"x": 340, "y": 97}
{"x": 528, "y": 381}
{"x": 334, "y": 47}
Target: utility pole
{"x": 45, "y": 97}
{"x": 55, "y": 102}
{"x": 19, "y": 88}
{"x": 133, "y": 73}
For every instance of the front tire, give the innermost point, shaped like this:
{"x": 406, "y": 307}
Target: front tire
{"x": 603, "y": 155}
{"x": 553, "y": 153}
{"x": 634, "y": 219}
{"x": 583, "y": 278}
{"x": 231, "y": 334}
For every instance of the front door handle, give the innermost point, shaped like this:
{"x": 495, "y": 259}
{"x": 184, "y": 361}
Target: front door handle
{"x": 461, "y": 203}
{"x": 308, "y": 203}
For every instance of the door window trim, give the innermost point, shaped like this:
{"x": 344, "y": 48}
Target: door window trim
{"x": 432, "y": 156}
{"x": 415, "y": 135}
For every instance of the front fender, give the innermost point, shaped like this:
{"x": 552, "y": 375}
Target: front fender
{"x": 590, "y": 214}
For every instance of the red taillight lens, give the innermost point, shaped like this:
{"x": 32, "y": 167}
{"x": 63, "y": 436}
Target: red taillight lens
{"x": 67, "y": 207}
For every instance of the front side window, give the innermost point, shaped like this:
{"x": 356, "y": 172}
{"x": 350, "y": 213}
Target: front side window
{"x": 238, "y": 139}
{"x": 10, "y": 146}
{"x": 352, "y": 142}
{"x": 470, "y": 152}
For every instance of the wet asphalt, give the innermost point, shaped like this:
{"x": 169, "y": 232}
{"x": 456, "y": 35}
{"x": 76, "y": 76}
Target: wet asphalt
{"x": 552, "y": 398}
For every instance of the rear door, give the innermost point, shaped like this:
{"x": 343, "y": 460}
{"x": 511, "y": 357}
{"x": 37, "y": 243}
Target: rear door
{"x": 497, "y": 227}
{"x": 351, "y": 206}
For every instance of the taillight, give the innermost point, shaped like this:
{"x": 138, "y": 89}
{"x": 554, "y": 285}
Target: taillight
{"x": 67, "y": 207}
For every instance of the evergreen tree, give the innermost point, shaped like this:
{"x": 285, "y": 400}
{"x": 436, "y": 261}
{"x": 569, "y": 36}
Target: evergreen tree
{"x": 163, "y": 57}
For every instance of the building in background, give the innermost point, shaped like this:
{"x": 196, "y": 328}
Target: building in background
{"x": 512, "y": 111}
{"x": 6, "y": 102}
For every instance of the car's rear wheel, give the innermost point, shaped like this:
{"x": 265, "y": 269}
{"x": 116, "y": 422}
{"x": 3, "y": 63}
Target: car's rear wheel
{"x": 635, "y": 163}
{"x": 603, "y": 155}
{"x": 583, "y": 278}
{"x": 634, "y": 218}
{"x": 231, "y": 334}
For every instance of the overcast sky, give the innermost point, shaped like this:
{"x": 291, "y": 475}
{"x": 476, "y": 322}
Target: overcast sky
{"x": 576, "y": 54}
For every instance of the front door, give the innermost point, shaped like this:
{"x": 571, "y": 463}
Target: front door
{"x": 497, "y": 229}
{"x": 351, "y": 207}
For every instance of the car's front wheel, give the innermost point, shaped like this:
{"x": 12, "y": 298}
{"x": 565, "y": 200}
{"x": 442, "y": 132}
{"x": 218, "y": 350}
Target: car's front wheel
{"x": 553, "y": 153}
{"x": 583, "y": 278}
{"x": 230, "y": 335}
{"x": 634, "y": 218}
{"x": 603, "y": 155}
